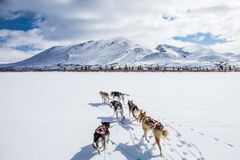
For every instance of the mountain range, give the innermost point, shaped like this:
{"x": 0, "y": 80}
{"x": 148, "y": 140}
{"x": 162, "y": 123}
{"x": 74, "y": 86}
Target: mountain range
{"x": 121, "y": 51}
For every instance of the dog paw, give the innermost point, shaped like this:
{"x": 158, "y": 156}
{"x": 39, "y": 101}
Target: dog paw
{"x": 94, "y": 145}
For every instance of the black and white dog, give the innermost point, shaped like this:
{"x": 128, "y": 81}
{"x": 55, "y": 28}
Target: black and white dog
{"x": 101, "y": 137}
{"x": 118, "y": 95}
{"x": 118, "y": 108}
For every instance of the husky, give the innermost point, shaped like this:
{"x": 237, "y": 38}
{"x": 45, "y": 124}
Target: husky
{"x": 150, "y": 124}
{"x": 119, "y": 95}
{"x": 101, "y": 137}
{"x": 133, "y": 109}
{"x": 100, "y": 144}
{"x": 118, "y": 108}
{"x": 104, "y": 96}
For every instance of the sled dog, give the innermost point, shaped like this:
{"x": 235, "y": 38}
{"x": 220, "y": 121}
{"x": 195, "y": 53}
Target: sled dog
{"x": 118, "y": 108}
{"x": 118, "y": 95}
{"x": 101, "y": 137}
{"x": 133, "y": 109}
{"x": 150, "y": 124}
{"x": 104, "y": 96}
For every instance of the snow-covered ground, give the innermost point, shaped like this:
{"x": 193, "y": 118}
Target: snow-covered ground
{"x": 52, "y": 116}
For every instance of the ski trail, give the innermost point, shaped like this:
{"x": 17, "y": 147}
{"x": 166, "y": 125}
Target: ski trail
{"x": 200, "y": 153}
{"x": 203, "y": 134}
{"x": 179, "y": 144}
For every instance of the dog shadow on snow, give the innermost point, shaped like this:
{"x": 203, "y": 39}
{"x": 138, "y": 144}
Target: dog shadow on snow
{"x": 125, "y": 123}
{"x": 135, "y": 151}
{"x": 96, "y": 104}
{"x": 86, "y": 152}
{"x": 129, "y": 151}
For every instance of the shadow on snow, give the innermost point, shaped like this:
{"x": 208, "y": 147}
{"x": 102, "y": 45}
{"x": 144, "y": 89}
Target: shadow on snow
{"x": 86, "y": 152}
{"x": 96, "y": 104}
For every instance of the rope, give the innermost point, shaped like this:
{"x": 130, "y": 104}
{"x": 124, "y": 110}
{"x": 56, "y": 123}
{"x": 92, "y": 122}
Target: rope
{"x": 134, "y": 143}
{"x": 131, "y": 139}
{"x": 105, "y": 153}
{"x": 114, "y": 124}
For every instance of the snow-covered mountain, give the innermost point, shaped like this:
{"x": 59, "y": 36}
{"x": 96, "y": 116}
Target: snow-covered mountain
{"x": 102, "y": 52}
{"x": 194, "y": 52}
{"x": 120, "y": 51}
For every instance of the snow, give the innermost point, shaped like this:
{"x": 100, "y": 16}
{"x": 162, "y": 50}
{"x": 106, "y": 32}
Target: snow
{"x": 53, "y": 115}
{"x": 121, "y": 51}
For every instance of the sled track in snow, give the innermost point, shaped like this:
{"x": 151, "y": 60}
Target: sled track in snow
{"x": 202, "y": 134}
{"x": 180, "y": 146}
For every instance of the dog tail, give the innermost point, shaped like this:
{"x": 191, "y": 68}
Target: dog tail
{"x": 165, "y": 133}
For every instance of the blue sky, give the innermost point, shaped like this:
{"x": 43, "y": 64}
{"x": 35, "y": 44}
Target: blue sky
{"x": 24, "y": 22}
{"x": 200, "y": 38}
{"x": 28, "y": 27}
{"x": 20, "y": 21}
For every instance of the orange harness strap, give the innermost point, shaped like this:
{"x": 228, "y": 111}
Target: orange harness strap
{"x": 143, "y": 118}
{"x": 155, "y": 124}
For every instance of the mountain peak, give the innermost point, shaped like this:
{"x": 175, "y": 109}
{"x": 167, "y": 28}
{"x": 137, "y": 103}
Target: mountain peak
{"x": 171, "y": 51}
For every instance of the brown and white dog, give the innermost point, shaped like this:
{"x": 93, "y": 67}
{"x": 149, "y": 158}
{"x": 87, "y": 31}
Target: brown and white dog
{"x": 150, "y": 124}
{"x": 104, "y": 96}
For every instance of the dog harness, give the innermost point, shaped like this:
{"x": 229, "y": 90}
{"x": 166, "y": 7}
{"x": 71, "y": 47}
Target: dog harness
{"x": 101, "y": 130}
{"x": 154, "y": 124}
{"x": 140, "y": 118}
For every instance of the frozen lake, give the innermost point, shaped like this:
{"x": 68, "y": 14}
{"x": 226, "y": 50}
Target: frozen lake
{"x": 52, "y": 116}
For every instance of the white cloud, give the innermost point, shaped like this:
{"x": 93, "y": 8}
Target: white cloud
{"x": 74, "y": 21}
{"x": 9, "y": 55}
{"x": 18, "y": 38}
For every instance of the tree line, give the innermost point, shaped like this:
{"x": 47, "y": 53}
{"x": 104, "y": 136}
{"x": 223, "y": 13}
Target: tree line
{"x": 126, "y": 68}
